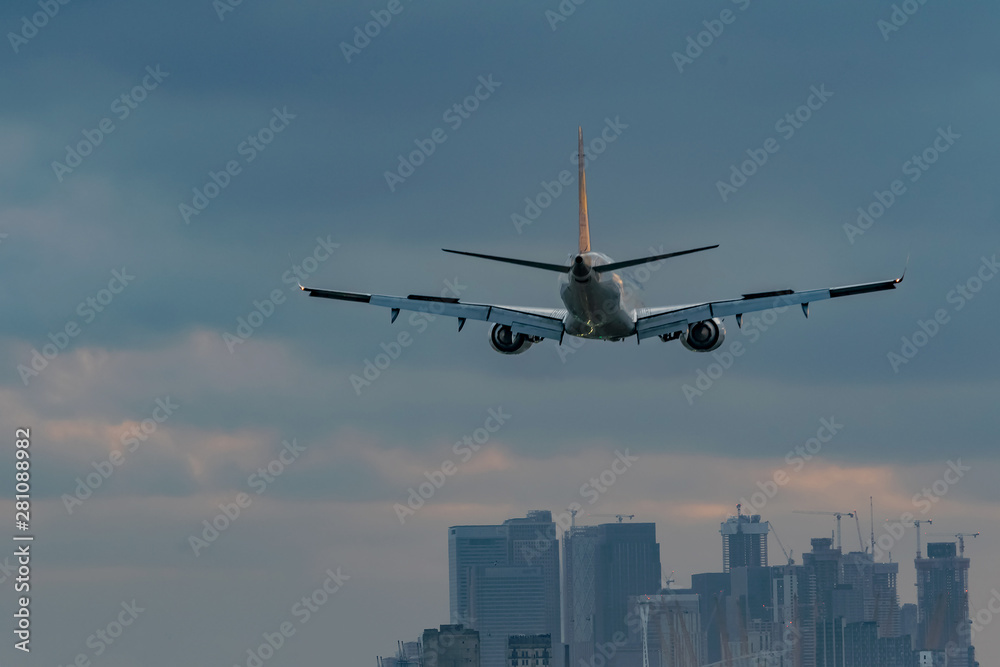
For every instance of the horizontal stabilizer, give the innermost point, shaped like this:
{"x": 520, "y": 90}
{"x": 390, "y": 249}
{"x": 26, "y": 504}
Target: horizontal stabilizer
{"x": 614, "y": 266}
{"x": 558, "y": 268}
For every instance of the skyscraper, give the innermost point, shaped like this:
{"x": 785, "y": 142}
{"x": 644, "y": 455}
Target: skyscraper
{"x": 823, "y": 563}
{"x": 469, "y": 547}
{"x": 943, "y": 602}
{"x": 673, "y": 629}
{"x": 506, "y": 601}
{"x": 579, "y": 593}
{"x": 744, "y": 542}
{"x": 505, "y": 580}
{"x": 713, "y": 588}
{"x": 532, "y": 541}
{"x": 627, "y": 563}
{"x": 886, "y": 613}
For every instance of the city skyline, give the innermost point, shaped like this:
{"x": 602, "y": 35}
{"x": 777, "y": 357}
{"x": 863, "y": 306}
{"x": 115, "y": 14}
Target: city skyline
{"x": 834, "y": 604}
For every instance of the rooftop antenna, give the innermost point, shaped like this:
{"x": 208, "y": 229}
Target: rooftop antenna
{"x": 871, "y": 513}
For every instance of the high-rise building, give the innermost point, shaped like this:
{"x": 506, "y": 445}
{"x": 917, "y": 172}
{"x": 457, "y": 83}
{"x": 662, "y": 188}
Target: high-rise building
{"x": 886, "y": 612}
{"x": 506, "y": 601}
{"x": 874, "y": 595}
{"x": 908, "y": 621}
{"x": 751, "y": 591}
{"x": 579, "y": 592}
{"x": 744, "y": 542}
{"x": 713, "y": 588}
{"x": 830, "y": 642}
{"x": 532, "y": 541}
{"x": 451, "y": 646}
{"x": 468, "y": 548}
{"x": 864, "y": 648}
{"x": 505, "y": 580}
{"x": 674, "y": 637}
{"x": 627, "y": 563}
{"x": 943, "y": 603}
{"x": 823, "y": 562}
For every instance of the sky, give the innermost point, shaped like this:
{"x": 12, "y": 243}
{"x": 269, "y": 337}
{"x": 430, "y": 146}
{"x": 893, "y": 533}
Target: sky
{"x": 169, "y": 172}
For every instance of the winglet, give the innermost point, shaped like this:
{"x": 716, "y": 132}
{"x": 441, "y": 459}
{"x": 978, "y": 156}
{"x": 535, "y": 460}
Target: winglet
{"x": 584, "y": 221}
{"x": 905, "y": 267}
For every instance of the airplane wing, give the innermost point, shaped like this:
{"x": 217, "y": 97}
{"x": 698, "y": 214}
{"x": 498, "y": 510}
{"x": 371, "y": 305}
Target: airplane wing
{"x": 541, "y": 322}
{"x": 672, "y": 319}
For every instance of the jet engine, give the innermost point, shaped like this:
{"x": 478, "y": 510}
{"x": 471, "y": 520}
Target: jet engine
{"x": 505, "y": 341}
{"x": 704, "y": 336}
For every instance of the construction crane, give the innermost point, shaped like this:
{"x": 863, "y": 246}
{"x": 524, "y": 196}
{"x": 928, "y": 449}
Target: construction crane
{"x": 917, "y": 522}
{"x": 644, "y": 622}
{"x": 961, "y": 540}
{"x": 836, "y": 514}
{"x": 788, "y": 554}
{"x": 861, "y": 540}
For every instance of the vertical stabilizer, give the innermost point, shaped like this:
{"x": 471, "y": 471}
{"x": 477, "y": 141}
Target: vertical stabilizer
{"x": 584, "y": 222}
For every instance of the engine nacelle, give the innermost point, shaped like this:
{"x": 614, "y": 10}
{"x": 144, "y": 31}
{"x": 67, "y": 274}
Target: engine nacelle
{"x": 704, "y": 336}
{"x": 505, "y": 341}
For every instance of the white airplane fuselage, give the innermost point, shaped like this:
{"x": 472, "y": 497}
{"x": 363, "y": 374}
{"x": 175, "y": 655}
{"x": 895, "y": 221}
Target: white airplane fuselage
{"x": 598, "y": 305}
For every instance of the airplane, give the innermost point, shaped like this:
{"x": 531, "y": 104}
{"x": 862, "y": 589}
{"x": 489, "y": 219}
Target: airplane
{"x": 598, "y": 303}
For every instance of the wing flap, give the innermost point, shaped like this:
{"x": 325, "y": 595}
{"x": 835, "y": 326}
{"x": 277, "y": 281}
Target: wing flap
{"x": 660, "y": 321}
{"x": 542, "y": 322}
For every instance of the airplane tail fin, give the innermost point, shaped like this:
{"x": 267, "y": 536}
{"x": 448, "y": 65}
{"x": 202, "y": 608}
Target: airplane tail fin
{"x": 584, "y": 221}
